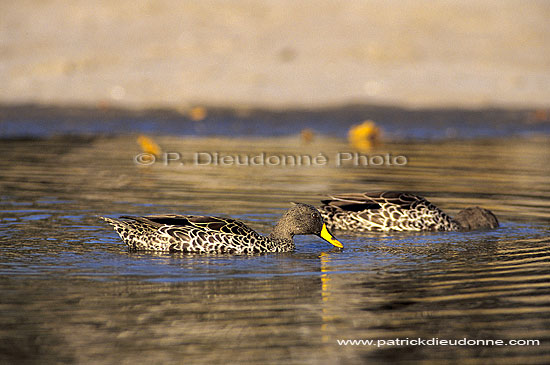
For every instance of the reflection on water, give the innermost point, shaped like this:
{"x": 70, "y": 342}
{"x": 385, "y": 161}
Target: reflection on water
{"x": 72, "y": 293}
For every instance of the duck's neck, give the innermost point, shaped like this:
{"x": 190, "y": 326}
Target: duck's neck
{"x": 280, "y": 232}
{"x": 456, "y": 225}
{"x": 281, "y": 237}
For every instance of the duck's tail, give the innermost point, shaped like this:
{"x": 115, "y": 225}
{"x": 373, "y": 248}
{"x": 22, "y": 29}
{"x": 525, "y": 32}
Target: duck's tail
{"x": 121, "y": 227}
{"x": 114, "y": 222}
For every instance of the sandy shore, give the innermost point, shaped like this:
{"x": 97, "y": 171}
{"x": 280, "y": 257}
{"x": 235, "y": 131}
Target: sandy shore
{"x": 275, "y": 53}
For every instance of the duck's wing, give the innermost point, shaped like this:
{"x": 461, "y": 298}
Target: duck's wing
{"x": 202, "y": 223}
{"x": 358, "y": 202}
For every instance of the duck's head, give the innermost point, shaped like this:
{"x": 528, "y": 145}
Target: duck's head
{"x": 304, "y": 219}
{"x": 476, "y": 218}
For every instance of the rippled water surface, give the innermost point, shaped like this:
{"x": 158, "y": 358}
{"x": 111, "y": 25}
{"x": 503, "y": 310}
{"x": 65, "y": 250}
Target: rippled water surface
{"x": 71, "y": 292}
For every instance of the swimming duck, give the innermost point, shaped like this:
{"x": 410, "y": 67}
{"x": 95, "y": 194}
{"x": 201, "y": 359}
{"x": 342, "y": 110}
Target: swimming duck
{"x": 205, "y": 234}
{"x": 398, "y": 211}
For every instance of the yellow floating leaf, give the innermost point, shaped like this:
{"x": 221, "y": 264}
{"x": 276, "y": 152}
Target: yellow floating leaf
{"x": 364, "y": 136}
{"x": 307, "y": 135}
{"x": 149, "y": 146}
{"x": 198, "y": 113}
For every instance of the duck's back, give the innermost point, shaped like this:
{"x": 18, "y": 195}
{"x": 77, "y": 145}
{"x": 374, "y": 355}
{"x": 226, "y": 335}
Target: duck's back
{"x": 188, "y": 233}
{"x": 384, "y": 211}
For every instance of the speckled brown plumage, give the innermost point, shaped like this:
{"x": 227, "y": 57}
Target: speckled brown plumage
{"x": 206, "y": 234}
{"x": 397, "y": 211}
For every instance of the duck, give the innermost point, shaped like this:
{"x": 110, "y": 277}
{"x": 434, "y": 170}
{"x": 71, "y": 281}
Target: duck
{"x": 217, "y": 235}
{"x": 398, "y": 211}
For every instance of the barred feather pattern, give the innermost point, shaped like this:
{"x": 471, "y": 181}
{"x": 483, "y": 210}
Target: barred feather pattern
{"x": 384, "y": 211}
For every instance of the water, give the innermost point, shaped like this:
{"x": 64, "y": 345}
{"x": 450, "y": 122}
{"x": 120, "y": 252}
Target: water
{"x": 72, "y": 293}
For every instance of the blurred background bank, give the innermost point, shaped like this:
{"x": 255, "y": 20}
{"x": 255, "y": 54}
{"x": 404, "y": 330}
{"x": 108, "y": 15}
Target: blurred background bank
{"x": 275, "y": 54}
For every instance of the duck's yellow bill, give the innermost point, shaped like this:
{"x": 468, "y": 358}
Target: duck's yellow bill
{"x": 327, "y": 236}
